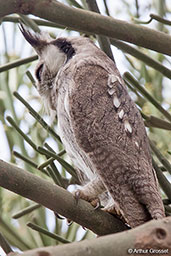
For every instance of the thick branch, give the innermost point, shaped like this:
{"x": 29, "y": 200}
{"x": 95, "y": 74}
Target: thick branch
{"x": 91, "y": 22}
{"x": 57, "y": 199}
{"x": 150, "y": 236}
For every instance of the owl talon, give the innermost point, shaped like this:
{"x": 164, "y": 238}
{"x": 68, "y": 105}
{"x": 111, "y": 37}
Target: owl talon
{"x": 79, "y": 194}
{"x": 113, "y": 210}
{"x": 96, "y": 204}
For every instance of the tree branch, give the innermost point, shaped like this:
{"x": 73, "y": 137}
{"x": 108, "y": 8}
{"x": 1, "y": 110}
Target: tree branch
{"x": 154, "y": 235}
{"x": 86, "y": 21}
{"x": 143, "y": 57}
{"x": 58, "y": 200}
{"x": 103, "y": 40}
{"x": 16, "y": 63}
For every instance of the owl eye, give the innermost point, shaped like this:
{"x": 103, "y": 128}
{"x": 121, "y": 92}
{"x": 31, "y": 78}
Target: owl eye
{"x": 39, "y": 72}
{"x": 66, "y": 49}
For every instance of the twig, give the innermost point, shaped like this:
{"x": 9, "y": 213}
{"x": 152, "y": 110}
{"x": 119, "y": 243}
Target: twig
{"x": 153, "y": 121}
{"x": 143, "y": 57}
{"x": 57, "y": 174}
{"x": 67, "y": 166}
{"x": 75, "y": 3}
{"x": 25, "y": 159}
{"x": 153, "y": 17}
{"x": 37, "y": 116}
{"x": 4, "y": 244}
{"x": 45, "y": 163}
{"x": 31, "y": 78}
{"x": 160, "y": 19}
{"x": 47, "y": 233}
{"x": 13, "y": 237}
{"x": 30, "y": 23}
{"x": 161, "y": 158}
{"x": 164, "y": 183}
{"x": 106, "y": 7}
{"x": 134, "y": 82}
{"x": 104, "y": 42}
{"x": 53, "y": 176}
{"x": 29, "y": 141}
{"x": 16, "y": 63}
{"x": 26, "y": 210}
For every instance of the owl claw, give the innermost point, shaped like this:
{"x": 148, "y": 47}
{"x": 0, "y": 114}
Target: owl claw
{"x": 112, "y": 210}
{"x": 115, "y": 211}
{"x": 79, "y": 194}
{"x": 96, "y": 204}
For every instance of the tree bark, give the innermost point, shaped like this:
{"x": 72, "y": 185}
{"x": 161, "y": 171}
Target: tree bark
{"x": 89, "y": 22}
{"x": 58, "y": 200}
{"x": 152, "y": 238}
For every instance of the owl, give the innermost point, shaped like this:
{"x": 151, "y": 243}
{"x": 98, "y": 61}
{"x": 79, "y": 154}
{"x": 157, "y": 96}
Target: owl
{"x": 99, "y": 125}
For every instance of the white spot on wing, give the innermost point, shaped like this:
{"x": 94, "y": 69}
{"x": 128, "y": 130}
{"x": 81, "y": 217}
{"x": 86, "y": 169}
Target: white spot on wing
{"x": 121, "y": 113}
{"x": 136, "y": 143}
{"x": 111, "y": 91}
{"x": 111, "y": 80}
{"x": 128, "y": 127}
{"x": 118, "y": 78}
{"x": 116, "y": 102}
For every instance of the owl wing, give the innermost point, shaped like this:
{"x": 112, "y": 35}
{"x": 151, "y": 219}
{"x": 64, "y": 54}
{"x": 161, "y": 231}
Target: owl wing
{"x": 109, "y": 128}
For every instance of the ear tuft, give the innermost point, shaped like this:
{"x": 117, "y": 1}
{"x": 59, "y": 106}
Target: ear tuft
{"x": 37, "y": 40}
{"x": 31, "y": 38}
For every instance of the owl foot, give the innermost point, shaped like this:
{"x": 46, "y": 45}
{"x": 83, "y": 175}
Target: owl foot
{"x": 79, "y": 194}
{"x": 114, "y": 210}
{"x": 96, "y": 204}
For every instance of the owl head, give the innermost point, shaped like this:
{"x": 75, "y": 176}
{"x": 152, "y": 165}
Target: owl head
{"x": 53, "y": 54}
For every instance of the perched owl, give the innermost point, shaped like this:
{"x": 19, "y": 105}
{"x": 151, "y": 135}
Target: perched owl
{"x": 99, "y": 125}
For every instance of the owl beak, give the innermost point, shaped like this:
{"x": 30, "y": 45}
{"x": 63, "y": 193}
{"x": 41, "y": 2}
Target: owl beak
{"x": 33, "y": 38}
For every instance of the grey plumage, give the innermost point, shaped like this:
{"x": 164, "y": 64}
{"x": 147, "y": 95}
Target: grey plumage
{"x": 99, "y": 125}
